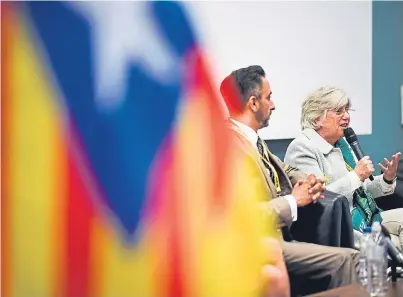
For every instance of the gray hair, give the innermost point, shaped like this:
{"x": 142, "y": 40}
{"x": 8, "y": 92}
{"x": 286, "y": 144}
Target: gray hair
{"x": 318, "y": 102}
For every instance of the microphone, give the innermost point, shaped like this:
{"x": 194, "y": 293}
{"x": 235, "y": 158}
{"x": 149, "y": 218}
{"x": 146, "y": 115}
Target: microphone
{"x": 393, "y": 252}
{"x": 352, "y": 140}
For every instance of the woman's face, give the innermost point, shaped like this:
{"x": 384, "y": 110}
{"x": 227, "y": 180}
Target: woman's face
{"x": 333, "y": 125}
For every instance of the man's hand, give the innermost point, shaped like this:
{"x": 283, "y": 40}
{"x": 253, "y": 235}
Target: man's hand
{"x": 317, "y": 187}
{"x": 308, "y": 191}
{"x": 389, "y": 172}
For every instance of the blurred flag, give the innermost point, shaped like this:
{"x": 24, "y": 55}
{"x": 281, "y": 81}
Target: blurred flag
{"x": 118, "y": 175}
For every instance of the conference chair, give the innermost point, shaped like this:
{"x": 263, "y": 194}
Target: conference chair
{"x": 327, "y": 222}
{"x": 394, "y": 200}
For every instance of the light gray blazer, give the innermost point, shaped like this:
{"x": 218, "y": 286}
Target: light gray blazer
{"x": 310, "y": 153}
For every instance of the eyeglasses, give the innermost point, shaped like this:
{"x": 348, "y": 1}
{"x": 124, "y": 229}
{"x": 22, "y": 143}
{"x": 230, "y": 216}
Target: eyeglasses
{"x": 342, "y": 111}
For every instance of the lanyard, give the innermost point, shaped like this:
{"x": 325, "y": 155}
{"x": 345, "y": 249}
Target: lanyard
{"x": 349, "y": 168}
{"x": 276, "y": 178}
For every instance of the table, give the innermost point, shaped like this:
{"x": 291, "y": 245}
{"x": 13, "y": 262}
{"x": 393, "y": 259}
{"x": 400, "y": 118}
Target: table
{"x": 395, "y": 290}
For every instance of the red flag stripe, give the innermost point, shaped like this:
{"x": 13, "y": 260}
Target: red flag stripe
{"x": 6, "y": 34}
{"x": 80, "y": 212}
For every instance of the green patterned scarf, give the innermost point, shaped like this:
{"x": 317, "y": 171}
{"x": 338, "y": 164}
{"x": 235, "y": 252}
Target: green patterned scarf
{"x": 365, "y": 211}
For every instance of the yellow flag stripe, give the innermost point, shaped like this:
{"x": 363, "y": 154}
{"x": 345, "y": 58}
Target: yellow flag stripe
{"x": 118, "y": 269}
{"x": 36, "y": 173}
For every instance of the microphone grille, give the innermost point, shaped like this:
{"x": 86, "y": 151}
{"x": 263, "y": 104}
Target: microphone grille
{"x": 350, "y": 135}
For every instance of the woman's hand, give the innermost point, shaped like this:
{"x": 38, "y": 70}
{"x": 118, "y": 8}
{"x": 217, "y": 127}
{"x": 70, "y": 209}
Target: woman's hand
{"x": 364, "y": 168}
{"x": 389, "y": 172}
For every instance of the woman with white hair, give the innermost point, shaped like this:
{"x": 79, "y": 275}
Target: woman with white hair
{"x": 322, "y": 150}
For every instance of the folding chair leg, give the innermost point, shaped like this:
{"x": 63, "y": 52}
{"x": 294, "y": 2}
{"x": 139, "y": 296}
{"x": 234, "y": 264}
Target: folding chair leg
{"x": 394, "y": 272}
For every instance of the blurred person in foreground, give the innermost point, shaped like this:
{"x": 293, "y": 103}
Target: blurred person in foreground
{"x": 288, "y": 187}
{"x": 322, "y": 150}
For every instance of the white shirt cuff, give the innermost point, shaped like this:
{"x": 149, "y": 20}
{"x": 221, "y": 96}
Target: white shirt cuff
{"x": 387, "y": 188}
{"x": 355, "y": 180}
{"x": 293, "y": 206}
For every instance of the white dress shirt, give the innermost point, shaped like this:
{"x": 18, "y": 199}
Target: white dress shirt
{"x": 252, "y": 136}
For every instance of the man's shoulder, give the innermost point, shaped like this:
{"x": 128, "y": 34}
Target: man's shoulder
{"x": 236, "y": 133}
{"x": 240, "y": 141}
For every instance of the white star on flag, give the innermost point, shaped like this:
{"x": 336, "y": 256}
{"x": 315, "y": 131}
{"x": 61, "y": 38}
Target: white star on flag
{"x": 124, "y": 33}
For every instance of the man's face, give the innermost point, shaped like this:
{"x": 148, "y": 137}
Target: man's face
{"x": 266, "y": 104}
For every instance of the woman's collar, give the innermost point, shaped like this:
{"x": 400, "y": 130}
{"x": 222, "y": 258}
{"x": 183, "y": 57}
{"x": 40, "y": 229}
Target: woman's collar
{"x": 324, "y": 146}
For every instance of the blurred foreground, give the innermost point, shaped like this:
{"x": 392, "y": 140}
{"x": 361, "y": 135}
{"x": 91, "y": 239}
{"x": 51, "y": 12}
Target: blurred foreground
{"x": 118, "y": 174}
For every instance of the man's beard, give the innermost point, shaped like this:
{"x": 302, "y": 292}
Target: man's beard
{"x": 265, "y": 124}
{"x": 260, "y": 118}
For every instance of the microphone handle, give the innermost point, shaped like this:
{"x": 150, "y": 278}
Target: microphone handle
{"x": 359, "y": 154}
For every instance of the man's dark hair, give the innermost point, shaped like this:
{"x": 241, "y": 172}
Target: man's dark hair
{"x": 240, "y": 85}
